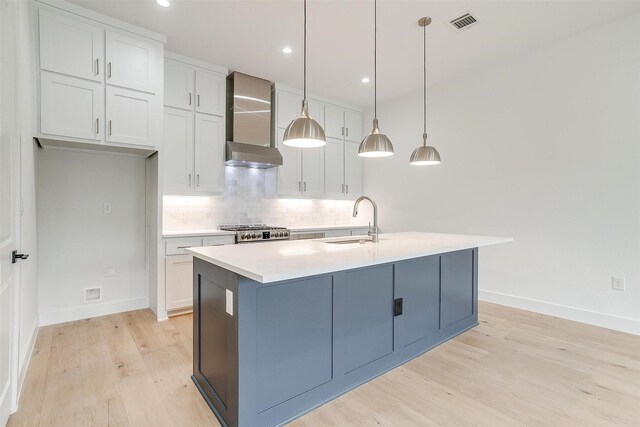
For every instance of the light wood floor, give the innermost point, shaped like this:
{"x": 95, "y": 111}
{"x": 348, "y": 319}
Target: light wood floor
{"x": 515, "y": 368}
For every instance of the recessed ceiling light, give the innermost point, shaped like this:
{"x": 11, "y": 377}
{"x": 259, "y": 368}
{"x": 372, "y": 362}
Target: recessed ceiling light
{"x": 163, "y": 3}
{"x": 287, "y": 50}
{"x": 365, "y": 80}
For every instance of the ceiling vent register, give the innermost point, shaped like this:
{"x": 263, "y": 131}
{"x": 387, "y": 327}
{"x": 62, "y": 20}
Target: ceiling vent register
{"x": 464, "y": 21}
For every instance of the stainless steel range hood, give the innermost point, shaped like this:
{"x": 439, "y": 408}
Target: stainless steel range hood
{"x": 249, "y": 123}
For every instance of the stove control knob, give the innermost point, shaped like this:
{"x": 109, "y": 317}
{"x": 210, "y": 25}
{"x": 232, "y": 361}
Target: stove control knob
{"x": 242, "y": 237}
{"x": 254, "y": 235}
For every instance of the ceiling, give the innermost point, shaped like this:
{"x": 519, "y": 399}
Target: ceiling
{"x": 248, "y": 36}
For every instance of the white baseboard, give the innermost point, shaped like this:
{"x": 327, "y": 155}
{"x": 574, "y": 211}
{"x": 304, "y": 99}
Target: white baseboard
{"x": 618, "y": 323}
{"x": 92, "y": 310}
{"x": 23, "y": 373}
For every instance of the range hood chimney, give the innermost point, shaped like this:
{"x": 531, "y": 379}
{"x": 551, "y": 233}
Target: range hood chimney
{"x": 249, "y": 123}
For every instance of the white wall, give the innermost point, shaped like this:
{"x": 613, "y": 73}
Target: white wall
{"x": 543, "y": 147}
{"x": 76, "y": 240}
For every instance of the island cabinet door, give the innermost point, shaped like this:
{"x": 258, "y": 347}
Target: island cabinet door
{"x": 364, "y": 319}
{"x": 417, "y": 289}
{"x": 459, "y": 271}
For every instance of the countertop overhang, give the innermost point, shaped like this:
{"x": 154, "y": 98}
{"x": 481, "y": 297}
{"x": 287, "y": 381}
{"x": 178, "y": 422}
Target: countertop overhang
{"x": 268, "y": 262}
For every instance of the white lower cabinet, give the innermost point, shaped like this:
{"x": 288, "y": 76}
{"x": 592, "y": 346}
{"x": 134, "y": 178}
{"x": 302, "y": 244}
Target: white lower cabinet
{"x": 179, "y": 269}
{"x": 179, "y": 281}
{"x": 71, "y": 107}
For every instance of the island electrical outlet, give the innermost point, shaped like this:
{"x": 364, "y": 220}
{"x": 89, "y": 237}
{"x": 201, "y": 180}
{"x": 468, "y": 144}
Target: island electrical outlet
{"x": 617, "y": 283}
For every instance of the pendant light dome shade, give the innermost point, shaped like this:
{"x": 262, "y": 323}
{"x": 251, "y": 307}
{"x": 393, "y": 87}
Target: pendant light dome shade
{"x": 425, "y": 155}
{"x": 304, "y": 132}
{"x": 376, "y": 144}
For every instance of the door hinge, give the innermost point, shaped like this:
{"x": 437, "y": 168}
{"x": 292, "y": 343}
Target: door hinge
{"x": 397, "y": 307}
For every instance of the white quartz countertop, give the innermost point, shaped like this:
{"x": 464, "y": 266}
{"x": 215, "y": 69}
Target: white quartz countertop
{"x": 195, "y": 233}
{"x": 267, "y": 262}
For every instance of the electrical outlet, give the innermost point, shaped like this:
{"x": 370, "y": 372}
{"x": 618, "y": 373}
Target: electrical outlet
{"x": 617, "y": 283}
{"x": 93, "y": 294}
{"x": 109, "y": 271}
{"x": 106, "y": 208}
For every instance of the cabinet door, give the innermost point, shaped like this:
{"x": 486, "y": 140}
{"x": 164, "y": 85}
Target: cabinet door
{"x": 457, "y": 287}
{"x": 290, "y": 173}
{"x": 209, "y": 153}
{"x": 334, "y": 169}
{"x": 352, "y": 170}
{"x": 178, "y": 85}
{"x": 178, "y": 151}
{"x": 210, "y": 92}
{"x": 417, "y": 282}
{"x": 132, "y": 62}
{"x": 71, "y": 107}
{"x": 334, "y": 121}
{"x": 288, "y": 106}
{"x": 353, "y": 125}
{"x": 179, "y": 281}
{"x": 70, "y": 46}
{"x": 313, "y": 172}
{"x": 130, "y": 117}
{"x": 316, "y": 111}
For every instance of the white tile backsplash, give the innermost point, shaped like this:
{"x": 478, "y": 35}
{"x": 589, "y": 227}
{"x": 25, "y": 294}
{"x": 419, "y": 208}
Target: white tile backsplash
{"x": 249, "y": 197}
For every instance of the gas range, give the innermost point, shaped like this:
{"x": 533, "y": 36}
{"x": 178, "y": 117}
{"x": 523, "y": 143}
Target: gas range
{"x": 247, "y": 233}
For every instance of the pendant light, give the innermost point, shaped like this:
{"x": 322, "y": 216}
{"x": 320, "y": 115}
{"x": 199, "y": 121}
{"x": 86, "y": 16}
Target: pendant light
{"x": 376, "y": 144}
{"x": 304, "y": 132}
{"x": 425, "y": 154}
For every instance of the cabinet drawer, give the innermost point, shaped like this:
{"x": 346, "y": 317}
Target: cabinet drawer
{"x": 178, "y": 246}
{"x": 219, "y": 240}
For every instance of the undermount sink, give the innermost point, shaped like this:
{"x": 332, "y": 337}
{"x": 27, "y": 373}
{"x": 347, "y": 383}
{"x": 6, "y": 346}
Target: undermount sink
{"x": 341, "y": 241}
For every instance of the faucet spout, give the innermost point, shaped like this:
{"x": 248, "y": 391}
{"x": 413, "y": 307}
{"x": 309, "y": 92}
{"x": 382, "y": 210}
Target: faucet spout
{"x": 372, "y": 232}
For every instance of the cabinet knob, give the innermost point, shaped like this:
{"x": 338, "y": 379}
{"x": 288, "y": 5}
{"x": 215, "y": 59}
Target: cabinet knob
{"x": 189, "y": 98}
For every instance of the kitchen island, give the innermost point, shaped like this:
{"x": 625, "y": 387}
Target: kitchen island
{"x": 283, "y": 327}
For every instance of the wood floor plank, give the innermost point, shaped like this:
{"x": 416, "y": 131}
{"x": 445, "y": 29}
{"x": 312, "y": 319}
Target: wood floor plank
{"x": 515, "y": 368}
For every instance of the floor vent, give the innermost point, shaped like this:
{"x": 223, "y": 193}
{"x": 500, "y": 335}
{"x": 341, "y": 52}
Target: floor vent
{"x": 464, "y": 21}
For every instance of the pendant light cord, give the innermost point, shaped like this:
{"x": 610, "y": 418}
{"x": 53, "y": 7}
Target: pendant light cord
{"x": 375, "y": 59}
{"x": 305, "y": 53}
{"x": 425, "y": 79}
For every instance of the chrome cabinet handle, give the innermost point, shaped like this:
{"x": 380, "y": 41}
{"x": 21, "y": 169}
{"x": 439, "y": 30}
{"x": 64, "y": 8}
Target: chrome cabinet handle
{"x": 342, "y": 190}
{"x": 305, "y": 186}
{"x": 109, "y": 127}
{"x": 189, "y": 98}
{"x": 97, "y": 125}
{"x": 342, "y": 130}
{"x": 347, "y": 132}
{"x": 347, "y": 188}
{"x": 299, "y": 186}
{"x": 189, "y": 180}
{"x": 198, "y": 100}
{"x": 97, "y": 66}
{"x": 197, "y": 180}
{"x": 183, "y": 247}
{"x": 109, "y": 70}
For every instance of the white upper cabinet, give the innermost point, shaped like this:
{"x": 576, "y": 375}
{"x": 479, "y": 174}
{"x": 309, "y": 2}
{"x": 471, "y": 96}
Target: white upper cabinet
{"x": 210, "y": 92}
{"x": 352, "y": 170}
{"x": 288, "y": 108}
{"x": 353, "y": 125}
{"x": 70, "y": 46}
{"x": 209, "y": 153}
{"x": 179, "y": 85}
{"x": 334, "y": 121}
{"x": 334, "y": 168}
{"x": 71, "y": 107}
{"x": 177, "y": 151}
{"x": 132, "y": 62}
{"x": 290, "y": 173}
{"x": 130, "y": 117}
{"x": 330, "y": 172}
{"x": 313, "y": 172}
